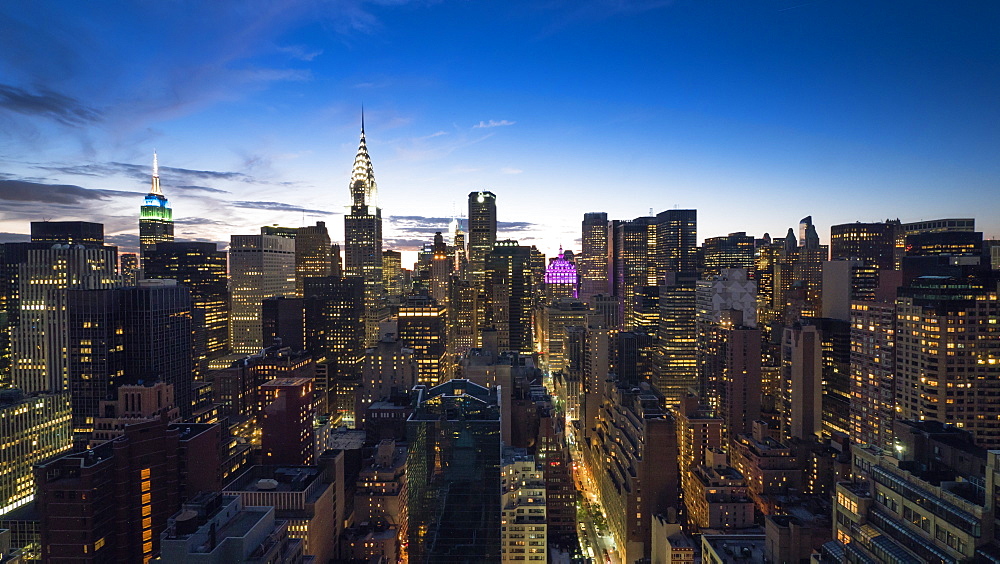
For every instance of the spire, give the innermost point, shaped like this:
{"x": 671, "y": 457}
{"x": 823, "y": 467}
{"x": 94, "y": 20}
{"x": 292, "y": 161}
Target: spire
{"x": 364, "y": 191}
{"x": 155, "y": 187}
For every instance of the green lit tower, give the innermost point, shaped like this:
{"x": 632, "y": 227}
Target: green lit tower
{"x": 156, "y": 219}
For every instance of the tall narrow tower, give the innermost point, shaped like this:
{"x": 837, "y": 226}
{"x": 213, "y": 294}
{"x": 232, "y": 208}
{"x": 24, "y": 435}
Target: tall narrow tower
{"x": 482, "y": 231}
{"x": 156, "y": 219}
{"x": 363, "y": 236}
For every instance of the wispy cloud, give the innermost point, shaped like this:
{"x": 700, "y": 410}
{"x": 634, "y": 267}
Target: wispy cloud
{"x": 493, "y": 123}
{"x": 279, "y": 206}
{"x": 67, "y": 194}
{"x": 201, "y": 189}
{"x": 300, "y": 52}
{"x": 48, "y": 104}
{"x": 509, "y": 170}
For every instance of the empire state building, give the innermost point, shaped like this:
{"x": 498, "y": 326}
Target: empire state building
{"x": 363, "y": 237}
{"x": 156, "y": 219}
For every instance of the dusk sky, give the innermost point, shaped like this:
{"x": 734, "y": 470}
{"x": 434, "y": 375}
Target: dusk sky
{"x": 756, "y": 113}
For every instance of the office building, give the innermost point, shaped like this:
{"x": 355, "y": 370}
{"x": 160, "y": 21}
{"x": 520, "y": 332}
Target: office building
{"x": 561, "y": 313}
{"x": 716, "y": 495}
{"x": 523, "y": 527}
{"x": 676, "y": 242}
{"x": 634, "y": 262}
{"x": 129, "y": 268}
{"x": 482, "y": 232}
{"x": 509, "y": 283}
{"x": 202, "y": 268}
{"x": 723, "y": 301}
{"x": 34, "y": 428}
{"x": 873, "y": 373}
{"x": 112, "y": 502}
{"x": 156, "y": 218}
{"x": 594, "y": 260}
{"x": 561, "y": 278}
{"x": 287, "y": 421}
{"x": 902, "y": 511}
{"x": 675, "y": 364}
{"x": 422, "y": 326}
{"x": 127, "y": 336}
{"x": 133, "y": 404}
{"x": 947, "y": 340}
{"x": 735, "y": 250}
{"x": 260, "y": 266}
{"x": 312, "y": 254}
{"x": 389, "y": 368}
{"x": 453, "y": 473}
{"x": 363, "y": 237}
{"x": 392, "y": 273}
{"x": 66, "y": 256}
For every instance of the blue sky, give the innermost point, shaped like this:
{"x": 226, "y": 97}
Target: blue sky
{"x": 756, "y": 113}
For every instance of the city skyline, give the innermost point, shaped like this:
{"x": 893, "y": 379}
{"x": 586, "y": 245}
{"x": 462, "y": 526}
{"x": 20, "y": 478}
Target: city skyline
{"x": 777, "y": 110}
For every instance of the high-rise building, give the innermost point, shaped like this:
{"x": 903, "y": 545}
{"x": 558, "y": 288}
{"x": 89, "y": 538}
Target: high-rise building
{"x": 156, "y": 219}
{"x": 947, "y": 342}
{"x": 454, "y": 473}
{"x": 873, "y": 374}
{"x": 129, "y": 268}
{"x": 260, "y": 266}
{"x": 594, "y": 261}
{"x": 441, "y": 267}
{"x": 676, "y": 358}
{"x": 389, "y": 369}
{"x": 392, "y": 273}
{"x": 482, "y": 231}
{"x": 312, "y": 254}
{"x": 363, "y": 237}
{"x": 202, "y": 268}
{"x": 735, "y": 250}
{"x": 723, "y": 301}
{"x": 561, "y": 278}
{"x": 635, "y": 264}
{"x": 287, "y": 423}
{"x": 110, "y": 503}
{"x": 34, "y": 428}
{"x": 423, "y": 327}
{"x": 127, "y": 336}
{"x": 335, "y": 329}
{"x": 873, "y": 243}
{"x": 562, "y": 313}
{"x": 508, "y": 289}
{"x": 524, "y": 530}
{"x": 676, "y": 242}
{"x": 46, "y": 270}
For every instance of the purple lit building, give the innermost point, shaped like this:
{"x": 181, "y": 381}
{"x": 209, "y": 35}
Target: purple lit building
{"x": 561, "y": 278}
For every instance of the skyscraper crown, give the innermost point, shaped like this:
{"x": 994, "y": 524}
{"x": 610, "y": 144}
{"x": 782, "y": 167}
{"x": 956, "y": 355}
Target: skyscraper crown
{"x": 364, "y": 191}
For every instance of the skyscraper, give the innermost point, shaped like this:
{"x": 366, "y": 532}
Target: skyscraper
{"x": 735, "y": 250}
{"x": 453, "y": 473}
{"x": 482, "y": 231}
{"x": 676, "y": 242}
{"x": 202, "y": 268}
{"x": 127, "y": 336}
{"x": 508, "y": 289}
{"x": 48, "y": 268}
{"x": 593, "y": 263}
{"x": 156, "y": 219}
{"x": 312, "y": 254}
{"x": 363, "y": 236}
{"x": 260, "y": 266}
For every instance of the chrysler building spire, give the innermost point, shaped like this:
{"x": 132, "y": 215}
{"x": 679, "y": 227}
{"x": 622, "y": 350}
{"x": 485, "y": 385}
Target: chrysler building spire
{"x": 364, "y": 191}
